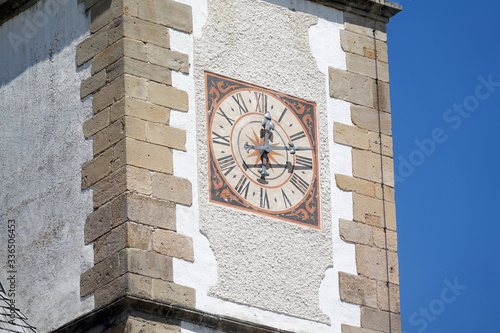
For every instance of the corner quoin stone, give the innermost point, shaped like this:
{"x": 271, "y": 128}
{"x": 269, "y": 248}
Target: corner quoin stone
{"x": 351, "y": 87}
{"x": 357, "y": 289}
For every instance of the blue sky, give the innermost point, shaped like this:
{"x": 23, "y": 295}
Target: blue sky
{"x": 445, "y": 91}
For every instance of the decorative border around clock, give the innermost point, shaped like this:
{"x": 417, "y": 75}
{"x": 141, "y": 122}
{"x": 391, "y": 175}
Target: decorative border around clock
{"x": 307, "y": 212}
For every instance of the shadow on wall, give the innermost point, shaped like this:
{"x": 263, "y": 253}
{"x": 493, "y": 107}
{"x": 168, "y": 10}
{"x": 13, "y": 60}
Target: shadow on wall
{"x": 37, "y": 34}
{"x": 307, "y": 7}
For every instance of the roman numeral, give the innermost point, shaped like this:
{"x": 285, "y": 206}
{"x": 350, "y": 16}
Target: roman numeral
{"x": 304, "y": 161}
{"x": 225, "y": 140}
{"x": 241, "y": 103}
{"x": 282, "y": 115}
{"x": 222, "y": 113}
{"x": 264, "y": 200}
{"x": 299, "y": 183}
{"x": 227, "y": 164}
{"x": 285, "y": 199}
{"x": 242, "y": 186}
{"x": 298, "y": 136}
{"x": 261, "y": 102}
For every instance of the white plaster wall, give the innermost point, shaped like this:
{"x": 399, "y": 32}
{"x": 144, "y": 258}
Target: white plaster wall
{"x": 41, "y": 153}
{"x": 301, "y": 70}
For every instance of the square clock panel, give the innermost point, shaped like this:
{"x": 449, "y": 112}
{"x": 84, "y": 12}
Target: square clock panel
{"x": 262, "y": 151}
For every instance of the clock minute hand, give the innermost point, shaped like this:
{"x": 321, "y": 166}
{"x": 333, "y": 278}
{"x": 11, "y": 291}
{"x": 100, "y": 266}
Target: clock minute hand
{"x": 291, "y": 148}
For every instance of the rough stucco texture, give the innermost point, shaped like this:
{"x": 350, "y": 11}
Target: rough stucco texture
{"x": 41, "y": 155}
{"x": 264, "y": 262}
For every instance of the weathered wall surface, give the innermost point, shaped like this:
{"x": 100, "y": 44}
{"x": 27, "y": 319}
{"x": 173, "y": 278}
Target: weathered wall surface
{"x": 41, "y": 155}
{"x": 246, "y": 264}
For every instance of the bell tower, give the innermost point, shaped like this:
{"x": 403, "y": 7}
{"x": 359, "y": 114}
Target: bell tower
{"x": 238, "y": 174}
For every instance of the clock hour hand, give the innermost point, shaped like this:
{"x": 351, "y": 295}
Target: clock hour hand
{"x": 268, "y": 125}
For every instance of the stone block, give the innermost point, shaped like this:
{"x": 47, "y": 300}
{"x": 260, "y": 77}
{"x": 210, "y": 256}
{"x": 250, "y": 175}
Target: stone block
{"x": 379, "y": 238}
{"x": 102, "y": 165}
{"x": 137, "y": 326}
{"x": 387, "y": 239}
{"x": 390, "y": 215}
{"x": 173, "y": 14}
{"x": 139, "y": 236}
{"x": 379, "y": 320}
{"x": 382, "y": 53}
{"x": 171, "y": 188}
{"x": 352, "y": 42}
{"x": 91, "y": 84}
{"x": 388, "y": 297}
{"x": 382, "y": 101}
{"x": 148, "y": 264}
{"x": 135, "y": 87}
{"x": 108, "y": 94}
{"x": 139, "y": 109}
{"x": 380, "y": 144}
{"x": 135, "y": 28}
{"x": 367, "y": 67}
{"x": 128, "y": 234}
{"x": 361, "y": 186}
{"x": 173, "y": 244}
{"x": 364, "y": 207}
{"x": 106, "y": 11}
{"x": 98, "y": 223}
{"x": 139, "y": 180}
{"x": 135, "y": 128}
{"x": 357, "y": 290}
{"x": 168, "y": 58}
{"x": 130, "y": 284}
{"x": 369, "y": 53}
{"x": 96, "y": 123}
{"x": 101, "y": 274}
{"x": 109, "y": 136}
{"x": 140, "y": 69}
{"x": 388, "y": 193}
{"x": 170, "y": 292}
{"x": 151, "y": 211}
{"x": 149, "y": 156}
{"x": 366, "y": 165}
{"x": 110, "y": 243}
{"x": 365, "y": 26}
{"x": 371, "y": 120}
{"x": 351, "y": 136}
{"x": 91, "y": 46}
{"x": 354, "y": 232}
{"x": 388, "y": 167}
{"x": 124, "y": 47}
{"x": 351, "y": 87}
{"x": 168, "y": 96}
{"x": 352, "y": 329}
{"x": 166, "y": 136}
{"x": 109, "y": 187}
{"x": 363, "y": 45}
{"x": 371, "y": 262}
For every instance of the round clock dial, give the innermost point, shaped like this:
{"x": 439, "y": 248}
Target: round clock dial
{"x": 262, "y": 153}
{"x": 239, "y": 121}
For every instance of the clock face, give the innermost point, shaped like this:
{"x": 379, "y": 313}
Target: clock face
{"x": 255, "y": 169}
